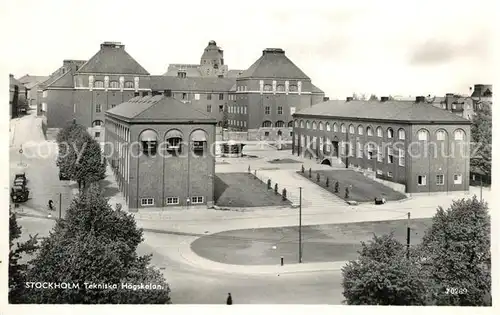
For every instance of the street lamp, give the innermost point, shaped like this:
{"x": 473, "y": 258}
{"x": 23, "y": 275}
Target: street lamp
{"x": 300, "y": 225}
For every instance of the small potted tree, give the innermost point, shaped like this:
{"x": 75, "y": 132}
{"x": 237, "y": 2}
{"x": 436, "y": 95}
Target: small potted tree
{"x": 347, "y": 192}
{"x": 318, "y": 177}
{"x": 276, "y": 188}
{"x": 327, "y": 183}
{"x": 336, "y": 187}
{"x": 283, "y": 194}
{"x": 269, "y": 184}
{"x": 302, "y": 169}
{"x": 310, "y": 174}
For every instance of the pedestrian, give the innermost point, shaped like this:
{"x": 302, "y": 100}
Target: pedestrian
{"x": 229, "y": 299}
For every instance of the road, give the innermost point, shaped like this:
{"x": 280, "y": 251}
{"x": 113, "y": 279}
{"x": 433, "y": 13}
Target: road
{"x": 195, "y": 286}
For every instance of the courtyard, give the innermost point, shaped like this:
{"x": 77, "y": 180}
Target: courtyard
{"x": 320, "y": 243}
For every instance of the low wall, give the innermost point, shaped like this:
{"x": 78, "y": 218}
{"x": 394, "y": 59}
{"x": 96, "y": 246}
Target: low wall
{"x": 255, "y": 134}
{"x": 395, "y": 186}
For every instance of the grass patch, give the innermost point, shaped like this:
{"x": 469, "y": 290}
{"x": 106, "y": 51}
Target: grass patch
{"x": 283, "y": 161}
{"x": 244, "y": 190}
{"x": 361, "y": 188}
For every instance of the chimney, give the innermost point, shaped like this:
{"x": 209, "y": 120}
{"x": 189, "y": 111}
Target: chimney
{"x": 420, "y": 99}
{"x": 275, "y": 51}
{"x": 384, "y": 98}
{"x": 348, "y": 99}
{"x": 112, "y": 45}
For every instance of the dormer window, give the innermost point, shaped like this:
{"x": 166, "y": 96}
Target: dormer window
{"x": 129, "y": 85}
{"x": 99, "y": 84}
{"x": 181, "y": 74}
{"x": 268, "y": 87}
{"x": 293, "y": 88}
{"x": 114, "y": 84}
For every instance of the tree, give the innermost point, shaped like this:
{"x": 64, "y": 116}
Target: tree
{"x": 66, "y": 137}
{"x": 456, "y": 254}
{"x": 17, "y": 270}
{"x": 481, "y": 136}
{"x": 95, "y": 244}
{"x": 373, "y": 97}
{"x": 383, "y": 275}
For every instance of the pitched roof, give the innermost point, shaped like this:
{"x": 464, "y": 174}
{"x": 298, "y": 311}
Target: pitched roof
{"x": 31, "y": 80}
{"x": 234, "y": 73}
{"x": 190, "y": 72}
{"x": 315, "y": 89}
{"x": 112, "y": 58}
{"x": 274, "y": 64}
{"x": 65, "y": 80}
{"x": 159, "y": 108}
{"x": 404, "y": 111}
{"x": 160, "y": 83}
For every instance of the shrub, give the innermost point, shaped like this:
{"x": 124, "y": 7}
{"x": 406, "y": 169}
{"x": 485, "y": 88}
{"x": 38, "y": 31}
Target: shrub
{"x": 283, "y": 193}
{"x": 276, "y": 188}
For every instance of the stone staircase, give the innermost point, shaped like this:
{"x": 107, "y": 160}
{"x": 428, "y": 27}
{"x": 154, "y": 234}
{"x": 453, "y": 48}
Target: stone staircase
{"x": 313, "y": 196}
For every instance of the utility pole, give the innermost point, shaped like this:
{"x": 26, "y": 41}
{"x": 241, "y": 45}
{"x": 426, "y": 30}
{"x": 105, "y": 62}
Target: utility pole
{"x": 300, "y": 225}
{"x": 481, "y": 187}
{"x": 60, "y": 205}
{"x": 408, "y": 238}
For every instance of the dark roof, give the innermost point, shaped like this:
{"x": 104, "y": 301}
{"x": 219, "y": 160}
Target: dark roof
{"x": 161, "y": 83}
{"x": 112, "y": 58}
{"x": 315, "y": 89}
{"x": 159, "y": 108}
{"x": 274, "y": 64}
{"x": 14, "y": 81}
{"x": 404, "y": 111}
{"x": 234, "y": 73}
{"x": 31, "y": 80}
{"x": 190, "y": 72}
{"x": 65, "y": 80}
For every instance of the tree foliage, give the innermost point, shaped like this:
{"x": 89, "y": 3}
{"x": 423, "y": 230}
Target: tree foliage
{"x": 452, "y": 265}
{"x": 457, "y": 254}
{"x": 80, "y": 156}
{"x": 17, "y": 269}
{"x": 383, "y": 275}
{"x": 373, "y": 97}
{"x": 481, "y": 135}
{"x": 95, "y": 244}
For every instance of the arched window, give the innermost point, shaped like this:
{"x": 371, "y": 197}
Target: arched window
{"x": 314, "y": 125}
{"x": 401, "y": 134}
{"x": 279, "y": 124}
{"x": 99, "y": 84}
{"x": 174, "y": 142}
{"x": 441, "y": 135}
{"x": 328, "y": 127}
{"x": 423, "y": 135}
{"x": 301, "y": 124}
{"x": 97, "y": 123}
{"x": 320, "y": 125}
{"x": 149, "y": 141}
{"x": 199, "y": 141}
{"x": 369, "y": 131}
{"x": 114, "y": 84}
{"x": 343, "y": 128}
{"x": 459, "y": 135}
{"x": 129, "y": 85}
{"x": 335, "y": 127}
{"x": 360, "y": 130}
{"x": 351, "y": 129}
{"x": 379, "y": 132}
{"x": 390, "y": 133}
{"x": 308, "y": 125}
{"x": 268, "y": 87}
{"x": 292, "y": 88}
{"x": 296, "y": 124}
{"x": 290, "y": 124}
{"x": 280, "y": 88}
{"x": 267, "y": 124}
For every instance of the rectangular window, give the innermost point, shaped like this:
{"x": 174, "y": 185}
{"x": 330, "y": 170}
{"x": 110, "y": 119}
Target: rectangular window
{"x": 74, "y": 108}
{"x": 390, "y": 157}
{"x": 209, "y": 108}
{"x": 292, "y": 110}
{"x": 221, "y": 96}
{"x": 244, "y": 123}
{"x": 98, "y": 108}
{"x": 360, "y": 150}
{"x": 172, "y": 200}
{"x": 440, "y": 179}
{"x": 379, "y": 172}
{"x": 380, "y": 157}
{"x": 321, "y": 144}
{"x": 197, "y": 96}
{"x": 314, "y": 142}
{"x": 221, "y": 108}
{"x": 389, "y": 174}
{"x": 184, "y": 96}
{"x": 422, "y": 180}
{"x": 209, "y": 96}
{"x": 97, "y": 134}
{"x": 280, "y": 110}
{"x": 44, "y": 94}
{"x": 149, "y": 147}
{"x": 457, "y": 179}
{"x": 401, "y": 157}
{"x": 266, "y": 133}
{"x": 147, "y": 201}
{"x": 113, "y": 105}
{"x": 268, "y": 110}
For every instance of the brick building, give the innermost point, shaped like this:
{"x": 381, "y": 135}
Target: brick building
{"x": 18, "y": 95}
{"x": 160, "y": 149}
{"x": 407, "y": 142}
{"x": 268, "y": 93}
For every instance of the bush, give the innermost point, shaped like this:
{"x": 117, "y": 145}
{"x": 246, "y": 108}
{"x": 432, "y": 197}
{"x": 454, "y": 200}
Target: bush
{"x": 269, "y": 184}
{"x": 336, "y": 187}
{"x": 303, "y": 169}
{"x": 276, "y": 188}
{"x": 283, "y": 193}
{"x": 318, "y": 177}
{"x": 327, "y": 183}
{"x": 310, "y": 173}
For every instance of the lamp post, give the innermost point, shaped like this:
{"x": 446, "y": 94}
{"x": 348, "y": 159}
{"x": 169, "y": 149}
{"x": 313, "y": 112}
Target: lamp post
{"x": 300, "y": 225}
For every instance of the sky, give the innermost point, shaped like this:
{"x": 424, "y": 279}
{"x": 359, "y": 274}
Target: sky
{"x": 381, "y": 47}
